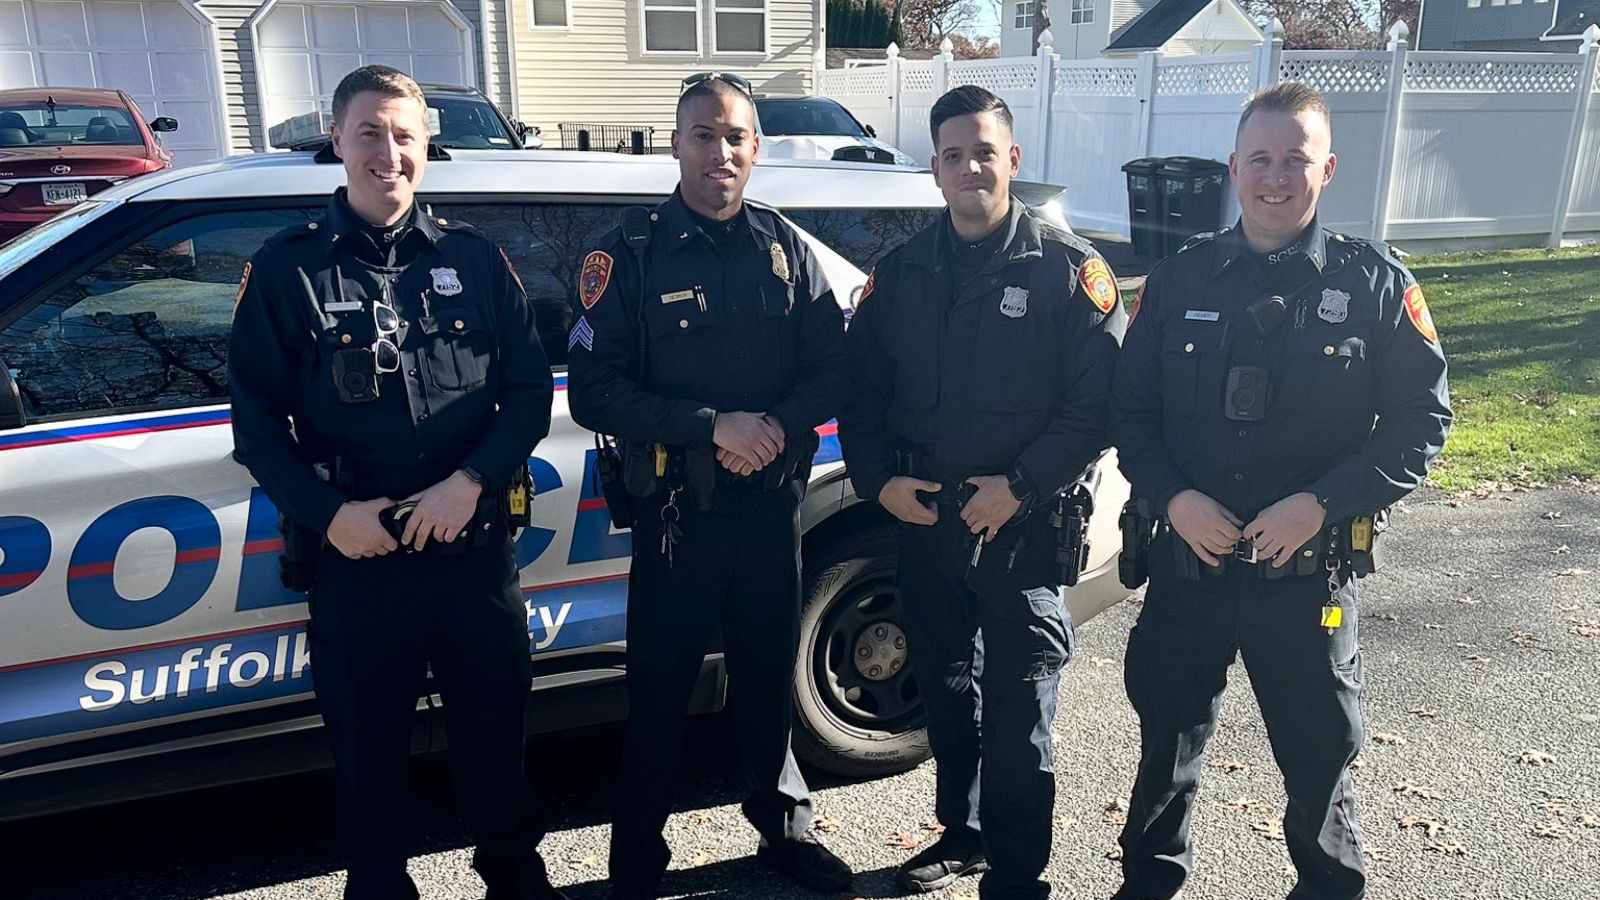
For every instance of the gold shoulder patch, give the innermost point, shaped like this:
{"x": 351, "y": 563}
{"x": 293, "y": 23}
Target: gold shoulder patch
{"x": 244, "y": 281}
{"x": 1417, "y": 311}
{"x": 1097, "y": 282}
{"x": 595, "y": 276}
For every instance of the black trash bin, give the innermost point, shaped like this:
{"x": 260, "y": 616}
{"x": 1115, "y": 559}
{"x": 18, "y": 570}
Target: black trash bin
{"x": 1191, "y": 199}
{"x": 1144, "y": 205}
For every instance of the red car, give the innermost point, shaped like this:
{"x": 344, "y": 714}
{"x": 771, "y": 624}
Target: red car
{"x": 58, "y": 146}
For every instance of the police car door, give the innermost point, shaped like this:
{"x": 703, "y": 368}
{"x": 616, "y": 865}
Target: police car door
{"x": 138, "y": 561}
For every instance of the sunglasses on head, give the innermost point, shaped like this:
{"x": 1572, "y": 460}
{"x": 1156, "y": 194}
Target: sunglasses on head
{"x": 738, "y": 81}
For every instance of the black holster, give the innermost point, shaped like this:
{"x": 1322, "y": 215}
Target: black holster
{"x": 297, "y": 565}
{"x": 1069, "y": 520}
{"x": 1138, "y": 526}
{"x": 608, "y": 473}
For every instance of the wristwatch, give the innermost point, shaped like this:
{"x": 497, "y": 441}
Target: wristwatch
{"x": 473, "y": 475}
{"x": 1021, "y": 489}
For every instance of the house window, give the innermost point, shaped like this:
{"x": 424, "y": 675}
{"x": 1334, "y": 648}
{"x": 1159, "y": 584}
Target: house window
{"x": 1024, "y": 14}
{"x": 671, "y": 26}
{"x": 740, "y": 26}
{"x": 1474, "y": 4}
{"x": 1082, "y": 12}
{"x": 550, "y": 13}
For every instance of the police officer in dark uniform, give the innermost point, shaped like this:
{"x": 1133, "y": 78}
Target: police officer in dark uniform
{"x": 982, "y": 352}
{"x": 1280, "y": 384}
{"x": 385, "y": 363}
{"x": 710, "y": 344}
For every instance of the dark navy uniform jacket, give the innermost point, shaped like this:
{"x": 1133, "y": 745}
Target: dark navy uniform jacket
{"x": 1014, "y": 373}
{"x": 1359, "y": 406}
{"x": 473, "y": 388}
{"x": 757, "y": 332}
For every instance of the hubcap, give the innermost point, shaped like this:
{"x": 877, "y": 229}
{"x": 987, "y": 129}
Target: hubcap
{"x": 880, "y": 651}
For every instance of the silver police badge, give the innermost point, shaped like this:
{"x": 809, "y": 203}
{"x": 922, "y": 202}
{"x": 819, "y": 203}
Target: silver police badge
{"x": 445, "y": 282}
{"x": 1335, "y": 306}
{"x": 1014, "y": 302}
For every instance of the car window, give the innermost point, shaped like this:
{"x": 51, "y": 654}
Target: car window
{"x": 781, "y": 117}
{"x": 546, "y": 242}
{"x": 863, "y": 236}
{"x": 148, "y": 327}
{"x": 469, "y": 124}
{"x": 60, "y": 125}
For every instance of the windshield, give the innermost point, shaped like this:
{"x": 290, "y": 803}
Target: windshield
{"x": 813, "y": 116}
{"x": 28, "y": 244}
{"x": 45, "y": 124}
{"x": 469, "y": 124}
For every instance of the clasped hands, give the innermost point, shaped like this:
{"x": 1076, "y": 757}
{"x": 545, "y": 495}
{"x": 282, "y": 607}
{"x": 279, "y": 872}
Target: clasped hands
{"x": 1212, "y": 530}
{"x": 442, "y": 511}
{"x": 747, "y": 442}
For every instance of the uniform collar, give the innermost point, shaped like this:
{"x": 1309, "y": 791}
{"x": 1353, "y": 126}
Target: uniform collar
{"x": 1312, "y": 244}
{"x": 342, "y": 220}
{"x": 682, "y": 229}
{"x": 1022, "y": 238}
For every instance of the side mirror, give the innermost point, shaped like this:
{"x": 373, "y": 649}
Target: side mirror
{"x": 11, "y": 415}
{"x": 521, "y": 127}
{"x": 871, "y": 132}
{"x": 164, "y": 123}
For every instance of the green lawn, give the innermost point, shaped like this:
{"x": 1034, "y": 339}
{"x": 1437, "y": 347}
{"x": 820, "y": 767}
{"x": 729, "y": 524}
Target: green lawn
{"x": 1521, "y": 329}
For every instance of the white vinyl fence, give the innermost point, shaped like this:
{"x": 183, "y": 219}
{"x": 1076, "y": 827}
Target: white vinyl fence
{"x": 1431, "y": 145}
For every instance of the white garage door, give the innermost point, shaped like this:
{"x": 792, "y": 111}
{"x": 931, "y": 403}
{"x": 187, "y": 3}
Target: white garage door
{"x": 158, "y": 51}
{"x": 305, "y": 48}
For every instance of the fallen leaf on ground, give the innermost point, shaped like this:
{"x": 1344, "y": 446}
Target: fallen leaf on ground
{"x": 1376, "y": 854}
{"x": 825, "y": 824}
{"x": 1116, "y": 813}
{"x": 1101, "y": 662}
{"x": 1467, "y": 601}
{"x": 1562, "y": 550}
{"x": 1432, "y": 626}
{"x": 1554, "y": 804}
{"x": 1407, "y": 788}
{"x": 904, "y": 840}
{"x": 1571, "y": 573}
{"x": 699, "y": 817}
{"x": 1388, "y": 739}
{"x": 699, "y": 859}
{"x": 1550, "y": 829}
{"x": 586, "y": 862}
{"x": 1477, "y": 660}
{"x": 1553, "y": 514}
{"x": 933, "y": 827}
{"x": 1114, "y": 854}
{"x": 1433, "y": 827}
{"x": 1248, "y": 807}
{"x": 1586, "y": 629}
{"x": 1066, "y": 821}
{"x": 1425, "y": 712}
{"x": 1537, "y": 758}
{"x": 1522, "y": 637}
{"x": 1448, "y": 848}
{"x": 1588, "y": 820}
{"x": 1227, "y": 764}
{"x": 1270, "y": 829}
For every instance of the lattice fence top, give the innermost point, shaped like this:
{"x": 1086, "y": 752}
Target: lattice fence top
{"x": 916, "y": 78}
{"x": 1000, "y": 79}
{"x": 1096, "y": 81}
{"x": 1359, "y": 75}
{"x": 1490, "y": 77}
{"x": 860, "y": 80}
{"x": 1186, "y": 79}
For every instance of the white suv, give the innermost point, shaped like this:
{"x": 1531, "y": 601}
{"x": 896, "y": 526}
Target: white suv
{"x": 146, "y": 643}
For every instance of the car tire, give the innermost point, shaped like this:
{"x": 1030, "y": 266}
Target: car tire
{"x": 857, "y": 709}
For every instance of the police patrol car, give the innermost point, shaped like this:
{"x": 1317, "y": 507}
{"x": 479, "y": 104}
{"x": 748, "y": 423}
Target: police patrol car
{"x": 146, "y": 642}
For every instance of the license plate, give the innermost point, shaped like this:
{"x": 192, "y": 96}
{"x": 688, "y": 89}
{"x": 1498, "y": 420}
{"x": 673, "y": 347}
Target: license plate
{"x": 65, "y": 194}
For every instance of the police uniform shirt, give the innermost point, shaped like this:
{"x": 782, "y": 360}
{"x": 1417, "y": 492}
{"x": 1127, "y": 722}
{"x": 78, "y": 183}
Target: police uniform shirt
{"x": 745, "y": 322}
{"x": 1359, "y": 404}
{"x": 1014, "y": 374}
{"x": 473, "y": 386}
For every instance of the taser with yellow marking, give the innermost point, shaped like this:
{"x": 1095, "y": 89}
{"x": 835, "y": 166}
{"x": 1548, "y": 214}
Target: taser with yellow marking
{"x": 1332, "y": 617}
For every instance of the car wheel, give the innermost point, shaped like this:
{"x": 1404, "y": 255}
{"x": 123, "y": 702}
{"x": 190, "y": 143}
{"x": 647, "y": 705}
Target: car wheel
{"x": 857, "y": 708}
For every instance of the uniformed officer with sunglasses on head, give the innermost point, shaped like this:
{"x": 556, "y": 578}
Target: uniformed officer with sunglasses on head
{"x": 385, "y": 368}
{"x": 710, "y": 344}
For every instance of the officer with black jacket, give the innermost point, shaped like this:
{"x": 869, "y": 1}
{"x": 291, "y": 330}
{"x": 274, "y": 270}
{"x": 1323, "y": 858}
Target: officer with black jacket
{"x": 710, "y": 344}
{"x": 385, "y": 363}
{"x": 982, "y": 352}
{"x": 1279, "y": 383}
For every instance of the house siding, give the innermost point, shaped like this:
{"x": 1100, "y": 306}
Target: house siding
{"x": 1125, "y": 11}
{"x": 1452, "y": 25}
{"x": 594, "y": 71}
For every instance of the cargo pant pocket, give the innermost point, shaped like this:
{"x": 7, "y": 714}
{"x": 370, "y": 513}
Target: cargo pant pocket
{"x": 1051, "y": 633}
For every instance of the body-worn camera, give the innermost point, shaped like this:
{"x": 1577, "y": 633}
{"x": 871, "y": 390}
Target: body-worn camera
{"x": 1249, "y": 389}
{"x": 355, "y": 375}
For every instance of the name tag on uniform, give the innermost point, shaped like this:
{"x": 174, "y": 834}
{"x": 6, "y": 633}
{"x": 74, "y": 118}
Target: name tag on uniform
{"x": 675, "y": 296}
{"x": 1202, "y": 315}
{"x": 342, "y": 306}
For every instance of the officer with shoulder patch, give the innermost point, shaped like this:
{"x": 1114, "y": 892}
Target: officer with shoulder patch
{"x": 1280, "y": 385}
{"x": 711, "y": 346}
{"x": 388, "y": 386}
{"x": 982, "y": 351}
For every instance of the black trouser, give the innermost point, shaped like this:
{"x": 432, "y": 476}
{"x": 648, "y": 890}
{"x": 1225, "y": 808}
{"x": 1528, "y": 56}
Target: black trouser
{"x": 737, "y": 567}
{"x": 1308, "y": 685}
{"x": 987, "y": 649}
{"x": 377, "y": 625}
